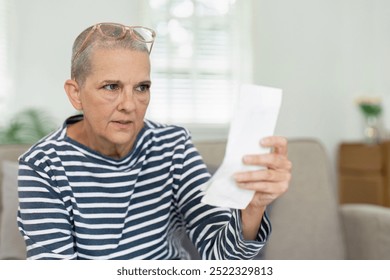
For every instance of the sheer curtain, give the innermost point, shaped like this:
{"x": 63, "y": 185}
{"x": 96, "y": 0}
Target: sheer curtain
{"x": 201, "y": 54}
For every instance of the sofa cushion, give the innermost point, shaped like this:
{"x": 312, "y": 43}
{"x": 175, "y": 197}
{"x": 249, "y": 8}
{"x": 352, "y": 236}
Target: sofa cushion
{"x": 212, "y": 153}
{"x": 12, "y": 245}
{"x": 10, "y": 152}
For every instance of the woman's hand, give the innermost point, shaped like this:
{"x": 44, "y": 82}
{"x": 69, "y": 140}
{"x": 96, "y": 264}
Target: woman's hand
{"x": 269, "y": 183}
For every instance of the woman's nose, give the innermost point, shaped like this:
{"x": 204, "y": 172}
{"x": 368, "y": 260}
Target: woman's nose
{"x": 127, "y": 101}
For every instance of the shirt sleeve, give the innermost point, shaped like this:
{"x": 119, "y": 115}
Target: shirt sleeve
{"x": 43, "y": 219}
{"x": 215, "y": 231}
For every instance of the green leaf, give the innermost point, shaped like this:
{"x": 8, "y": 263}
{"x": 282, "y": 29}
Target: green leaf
{"x": 370, "y": 109}
{"x": 27, "y": 127}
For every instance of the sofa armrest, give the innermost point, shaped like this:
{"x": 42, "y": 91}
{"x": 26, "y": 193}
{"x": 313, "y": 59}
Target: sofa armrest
{"x": 367, "y": 231}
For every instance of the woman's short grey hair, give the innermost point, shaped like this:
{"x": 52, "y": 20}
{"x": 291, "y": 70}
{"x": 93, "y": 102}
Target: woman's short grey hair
{"x": 81, "y": 65}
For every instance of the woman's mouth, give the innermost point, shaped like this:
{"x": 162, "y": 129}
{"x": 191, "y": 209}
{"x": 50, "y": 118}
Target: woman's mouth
{"x": 122, "y": 124}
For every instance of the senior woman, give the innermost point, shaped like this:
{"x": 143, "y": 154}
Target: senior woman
{"x": 110, "y": 184}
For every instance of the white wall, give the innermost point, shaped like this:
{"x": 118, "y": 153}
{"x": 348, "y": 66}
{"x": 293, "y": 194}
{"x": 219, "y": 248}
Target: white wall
{"x": 322, "y": 53}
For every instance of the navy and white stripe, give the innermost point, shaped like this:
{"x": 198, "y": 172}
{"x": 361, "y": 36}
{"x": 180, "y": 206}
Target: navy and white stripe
{"x": 78, "y": 204}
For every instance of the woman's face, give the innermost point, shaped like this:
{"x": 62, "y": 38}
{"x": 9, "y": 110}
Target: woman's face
{"x": 114, "y": 97}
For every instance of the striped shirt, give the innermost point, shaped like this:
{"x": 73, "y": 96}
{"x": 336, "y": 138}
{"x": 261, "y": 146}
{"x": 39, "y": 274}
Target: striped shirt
{"x": 75, "y": 203}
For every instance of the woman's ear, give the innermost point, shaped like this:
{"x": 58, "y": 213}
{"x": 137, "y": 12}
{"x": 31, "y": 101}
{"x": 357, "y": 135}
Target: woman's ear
{"x": 73, "y": 91}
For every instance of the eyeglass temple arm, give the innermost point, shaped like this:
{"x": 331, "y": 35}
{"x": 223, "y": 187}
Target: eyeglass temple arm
{"x": 85, "y": 41}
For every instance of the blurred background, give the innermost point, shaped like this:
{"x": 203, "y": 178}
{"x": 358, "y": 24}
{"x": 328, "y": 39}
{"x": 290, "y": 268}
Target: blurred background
{"x": 323, "y": 54}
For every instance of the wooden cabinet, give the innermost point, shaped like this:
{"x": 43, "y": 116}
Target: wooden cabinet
{"x": 364, "y": 173}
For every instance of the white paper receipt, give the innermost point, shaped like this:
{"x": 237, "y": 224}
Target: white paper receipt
{"x": 254, "y": 119}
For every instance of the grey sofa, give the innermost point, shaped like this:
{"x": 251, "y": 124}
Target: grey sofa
{"x": 307, "y": 221}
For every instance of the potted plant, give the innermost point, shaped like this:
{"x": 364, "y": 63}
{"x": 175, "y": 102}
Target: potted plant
{"x": 371, "y": 109}
{"x": 27, "y": 127}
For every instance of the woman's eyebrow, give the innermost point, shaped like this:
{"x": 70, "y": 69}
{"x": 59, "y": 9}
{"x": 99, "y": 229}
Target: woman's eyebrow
{"x": 110, "y": 82}
{"x": 148, "y": 82}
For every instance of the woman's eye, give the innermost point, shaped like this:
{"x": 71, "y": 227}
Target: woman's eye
{"x": 143, "y": 88}
{"x": 111, "y": 87}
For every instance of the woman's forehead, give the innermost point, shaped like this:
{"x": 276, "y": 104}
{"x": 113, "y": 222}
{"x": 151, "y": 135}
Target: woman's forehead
{"x": 120, "y": 63}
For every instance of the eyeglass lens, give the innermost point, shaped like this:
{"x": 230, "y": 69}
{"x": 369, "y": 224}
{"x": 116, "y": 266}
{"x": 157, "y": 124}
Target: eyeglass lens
{"x": 112, "y": 30}
{"x": 143, "y": 34}
{"x": 118, "y": 31}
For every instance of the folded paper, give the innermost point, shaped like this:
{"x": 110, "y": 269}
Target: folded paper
{"x": 254, "y": 119}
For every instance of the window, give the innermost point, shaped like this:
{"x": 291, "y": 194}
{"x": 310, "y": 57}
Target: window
{"x": 197, "y": 60}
